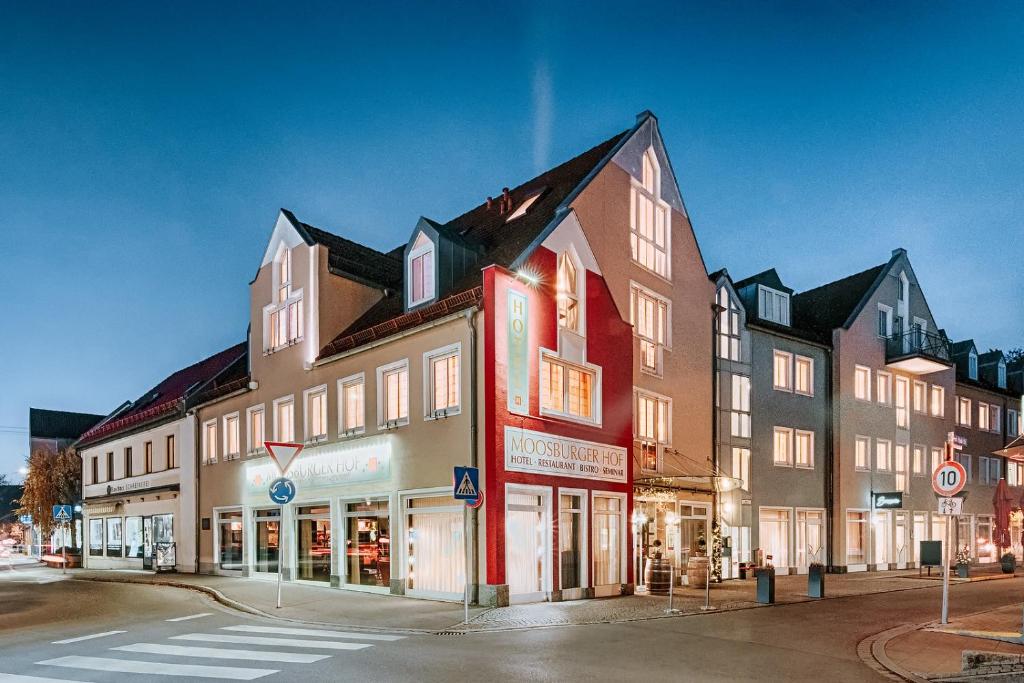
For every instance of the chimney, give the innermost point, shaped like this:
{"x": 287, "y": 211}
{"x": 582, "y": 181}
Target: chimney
{"x": 506, "y": 200}
{"x": 490, "y": 201}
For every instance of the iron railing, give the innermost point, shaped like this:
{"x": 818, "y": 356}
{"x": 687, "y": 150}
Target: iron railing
{"x": 917, "y": 343}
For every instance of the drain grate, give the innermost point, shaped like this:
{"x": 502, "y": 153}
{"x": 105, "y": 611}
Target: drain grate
{"x": 451, "y": 633}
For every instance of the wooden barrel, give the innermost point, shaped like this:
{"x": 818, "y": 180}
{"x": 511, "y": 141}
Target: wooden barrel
{"x": 658, "y": 575}
{"x": 697, "y": 572}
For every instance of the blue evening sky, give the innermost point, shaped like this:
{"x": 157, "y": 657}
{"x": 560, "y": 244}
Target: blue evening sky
{"x": 145, "y": 150}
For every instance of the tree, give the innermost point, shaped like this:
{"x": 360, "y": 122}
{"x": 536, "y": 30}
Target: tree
{"x": 52, "y": 479}
{"x": 1014, "y": 356}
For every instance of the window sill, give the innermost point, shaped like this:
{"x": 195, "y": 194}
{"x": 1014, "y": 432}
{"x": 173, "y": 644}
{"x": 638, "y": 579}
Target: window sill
{"x": 443, "y": 413}
{"x": 666, "y": 279}
{"x": 808, "y": 394}
{"x": 785, "y": 389}
{"x": 314, "y": 440}
{"x": 232, "y": 456}
{"x": 804, "y": 467}
{"x": 570, "y": 418}
{"x": 256, "y": 452}
{"x": 783, "y": 464}
{"x": 350, "y": 433}
{"x": 393, "y": 425}
{"x": 282, "y": 347}
{"x": 651, "y": 372}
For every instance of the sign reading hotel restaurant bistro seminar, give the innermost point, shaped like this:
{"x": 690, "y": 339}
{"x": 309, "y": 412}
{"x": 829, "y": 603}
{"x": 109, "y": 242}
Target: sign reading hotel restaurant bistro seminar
{"x": 328, "y": 465}
{"x": 530, "y": 451}
{"x": 892, "y": 500}
{"x": 518, "y": 354}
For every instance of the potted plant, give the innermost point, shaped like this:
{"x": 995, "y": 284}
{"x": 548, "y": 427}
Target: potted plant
{"x": 963, "y": 562}
{"x": 765, "y": 584}
{"x": 816, "y": 580}
{"x": 1008, "y": 561}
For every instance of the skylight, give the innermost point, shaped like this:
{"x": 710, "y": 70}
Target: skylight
{"x": 524, "y": 207}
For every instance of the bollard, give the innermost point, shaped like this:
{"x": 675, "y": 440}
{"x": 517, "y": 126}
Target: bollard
{"x": 671, "y": 586}
{"x": 707, "y": 593}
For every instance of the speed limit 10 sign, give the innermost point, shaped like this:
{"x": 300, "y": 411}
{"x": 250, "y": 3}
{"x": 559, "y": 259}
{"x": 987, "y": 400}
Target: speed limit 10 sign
{"x": 949, "y": 478}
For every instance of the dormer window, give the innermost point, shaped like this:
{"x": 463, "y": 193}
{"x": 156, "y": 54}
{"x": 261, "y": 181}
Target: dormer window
{"x": 421, "y": 271}
{"x": 772, "y": 305}
{"x": 972, "y": 365}
{"x": 650, "y": 220}
{"x": 524, "y": 207}
{"x": 568, "y": 294}
{"x": 1001, "y": 374}
{"x": 283, "y": 319}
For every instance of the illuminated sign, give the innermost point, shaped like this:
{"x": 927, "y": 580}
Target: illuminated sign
{"x": 539, "y": 453}
{"x": 888, "y": 501}
{"x": 518, "y": 354}
{"x": 330, "y": 465}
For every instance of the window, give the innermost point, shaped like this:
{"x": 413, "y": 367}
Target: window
{"x": 728, "y": 326}
{"x": 421, "y": 271}
{"x": 1014, "y": 473}
{"x": 566, "y": 390}
{"x": 651, "y": 323}
{"x": 772, "y": 305}
{"x": 774, "y": 535}
{"x": 255, "y": 428}
{"x": 902, "y": 467}
{"x": 920, "y": 397}
{"x": 965, "y": 460}
{"x": 884, "y": 321}
{"x": 883, "y": 455}
{"x": 963, "y": 411}
{"x": 1012, "y": 422}
{"x": 133, "y": 537}
{"x": 232, "y": 442}
{"x": 741, "y": 406}
{"x": 863, "y": 453}
{"x": 936, "y": 457}
{"x": 442, "y": 378}
{"x": 652, "y": 428}
{"x": 902, "y": 401}
{"x": 568, "y": 294}
{"x": 804, "y": 380}
{"x": 883, "y": 387}
{"x": 938, "y": 401}
{"x": 783, "y": 447}
{"x": 995, "y": 423}
{"x": 284, "y": 419}
{"x": 147, "y": 451}
{"x": 918, "y": 460}
{"x": 856, "y": 538}
{"x": 352, "y": 404}
{"x": 741, "y": 467}
{"x": 209, "y": 441}
{"x": 783, "y": 375}
{"x": 115, "y": 539}
{"x": 862, "y": 383}
{"x": 283, "y": 317}
{"x": 96, "y": 537}
{"x": 804, "y": 442}
{"x": 172, "y": 456}
{"x": 393, "y": 394}
{"x": 524, "y": 206}
{"x": 1001, "y": 375}
{"x": 649, "y": 220}
{"x": 127, "y": 462}
{"x": 110, "y": 466}
{"x": 316, "y": 413}
{"x": 983, "y": 414}
{"x": 983, "y": 470}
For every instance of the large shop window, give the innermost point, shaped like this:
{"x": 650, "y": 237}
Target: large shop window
{"x": 570, "y": 540}
{"x": 230, "y": 533}
{"x": 856, "y": 538}
{"x": 133, "y": 537}
{"x": 774, "y": 536}
{"x": 313, "y": 531}
{"x": 608, "y": 536}
{"x": 368, "y": 544}
{"x": 163, "y": 528}
{"x": 268, "y": 540}
{"x": 96, "y": 537}
{"x": 115, "y": 539}
{"x": 436, "y": 553}
{"x": 650, "y": 225}
{"x": 525, "y": 543}
{"x": 565, "y": 389}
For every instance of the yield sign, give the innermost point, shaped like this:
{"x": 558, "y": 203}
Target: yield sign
{"x": 284, "y": 454}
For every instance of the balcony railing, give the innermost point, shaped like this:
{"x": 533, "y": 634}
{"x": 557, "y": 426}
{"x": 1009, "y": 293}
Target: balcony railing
{"x": 917, "y": 345}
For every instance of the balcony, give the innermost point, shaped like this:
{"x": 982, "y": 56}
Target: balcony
{"x": 917, "y": 352}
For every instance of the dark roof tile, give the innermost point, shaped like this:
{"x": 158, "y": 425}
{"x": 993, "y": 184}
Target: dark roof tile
{"x": 829, "y": 306}
{"x": 59, "y": 424}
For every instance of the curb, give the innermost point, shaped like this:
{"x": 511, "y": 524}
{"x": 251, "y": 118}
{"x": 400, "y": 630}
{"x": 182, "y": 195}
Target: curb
{"x": 871, "y": 651}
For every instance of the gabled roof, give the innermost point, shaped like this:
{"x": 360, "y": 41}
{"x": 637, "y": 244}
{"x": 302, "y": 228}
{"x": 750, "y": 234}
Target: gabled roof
{"x": 167, "y": 396}
{"x": 59, "y": 424}
{"x": 961, "y": 348}
{"x": 835, "y": 304}
{"x": 768, "y": 278}
{"x": 989, "y": 357}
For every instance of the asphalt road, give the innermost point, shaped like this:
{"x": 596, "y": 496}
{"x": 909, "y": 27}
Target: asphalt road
{"x": 86, "y": 631}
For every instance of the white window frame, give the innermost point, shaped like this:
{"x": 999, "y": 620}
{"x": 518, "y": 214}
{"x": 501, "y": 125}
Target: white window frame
{"x": 740, "y": 406}
{"x": 861, "y": 371}
{"x": 415, "y": 253}
{"x": 359, "y": 380}
{"x": 730, "y": 335}
{"x": 650, "y": 189}
{"x": 787, "y": 358}
{"x": 290, "y": 398}
{"x": 941, "y": 403}
{"x": 577, "y": 293}
{"x": 995, "y": 419}
{"x": 595, "y": 389}
{"x": 741, "y": 462}
{"x": 660, "y": 441}
{"x": 808, "y": 363}
{"x": 662, "y": 308}
{"x": 885, "y": 400}
{"x": 964, "y": 407}
{"x": 209, "y": 444}
{"x": 382, "y": 372}
{"x": 920, "y": 407}
{"x": 773, "y": 305}
{"x": 887, "y": 465}
{"x": 307, "y": 399}
{"x": 865, "y": 442}
{"x": 431, "y": 412}
{"x": 253, "y": 449}
{"x": 809, "y": 435}
{"x": 226, "y": 437}
{"x": 283, "y": 306}
{"x": 883, "y": 308}
{"x": 786, "y": 432}
{"x": 919, "y": 466}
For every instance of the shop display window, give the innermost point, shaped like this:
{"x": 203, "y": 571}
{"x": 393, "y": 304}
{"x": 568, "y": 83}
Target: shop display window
{"x": 268, "y": 540}
{"x": 436, "y": 549}
{"x": 115, "y": 539}
{"x": 96, "y": 537}
{"x": 229, "y": 554}
{"x": 368, "y": 543}
{"x": 313, "y": 525}
{"x": 133, "y": 537}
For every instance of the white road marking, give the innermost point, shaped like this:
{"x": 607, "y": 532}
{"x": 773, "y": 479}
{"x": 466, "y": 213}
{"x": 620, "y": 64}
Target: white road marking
{"x": 159, "y": 668}
{"x": 219, "y": 653}
{"x": 20, "y": 678}
{"x": 191, "y": 616}
{"x": 279, "y": 642}
{"x": 311, "y": 632}
{"x": 81, "y": 638}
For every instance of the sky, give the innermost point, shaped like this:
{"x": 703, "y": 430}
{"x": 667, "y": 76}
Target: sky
{"x": 145, "y": 151}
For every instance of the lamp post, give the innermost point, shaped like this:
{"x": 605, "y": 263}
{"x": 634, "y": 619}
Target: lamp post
{"x": 639, "y": 519}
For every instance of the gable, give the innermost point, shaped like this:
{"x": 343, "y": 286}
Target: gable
{"x": 630, "y": 158}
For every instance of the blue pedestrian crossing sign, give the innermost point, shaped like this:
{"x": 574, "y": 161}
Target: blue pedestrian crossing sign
{"x": 467, "y": 483}
{"x": 63, "y": 513}
{"x": 282, "y": 490}
{"x": 26, "y": 519}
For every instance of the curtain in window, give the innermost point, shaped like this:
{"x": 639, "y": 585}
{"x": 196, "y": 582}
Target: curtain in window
{"x": 437, "y": 552}
{"x": 607, "y": 542}
{"x": 775, "y": 536}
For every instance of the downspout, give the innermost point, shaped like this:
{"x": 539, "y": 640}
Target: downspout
{"x": 473, "y": 448}
{"x": 829, "y": 466}
{"x": 195, "y": 484}
{"x": 715, "y": 532}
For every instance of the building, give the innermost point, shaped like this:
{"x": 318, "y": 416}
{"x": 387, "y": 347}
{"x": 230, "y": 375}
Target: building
{"x": 139, "y": 477}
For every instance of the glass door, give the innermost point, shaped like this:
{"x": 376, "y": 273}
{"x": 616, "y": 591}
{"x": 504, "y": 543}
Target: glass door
{"x": 368, "y": 544}
{"x": 882, "y": 546}
{"x": 313, "y": 532}
{"x": 608, "y": 540}
{"x": 902, "y": 541}
{"x": 147, "y": 542}
{"x": 571, "y": 550}
{"x": 810, "y": 538}
{"x": 525, "y": 556}
{"x": 268, "y": 541}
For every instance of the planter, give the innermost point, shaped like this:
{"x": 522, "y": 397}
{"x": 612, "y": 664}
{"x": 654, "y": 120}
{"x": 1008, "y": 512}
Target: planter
{"x": 765, "y": 586}
{"x": 697, "y": 572}
{"x": 1007, "y": 563}
{"x": 658, "y": 576}
{"x": 816, "y": 582}
{"x": 962, "y": 570}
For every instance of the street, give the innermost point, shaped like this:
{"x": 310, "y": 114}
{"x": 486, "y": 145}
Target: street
{"x": 70, "y": 630}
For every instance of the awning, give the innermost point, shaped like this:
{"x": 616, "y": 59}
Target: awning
{"x": 93, "y": 509}
{"x": 1015, "y": 450}
{"x": 682, "y": 471}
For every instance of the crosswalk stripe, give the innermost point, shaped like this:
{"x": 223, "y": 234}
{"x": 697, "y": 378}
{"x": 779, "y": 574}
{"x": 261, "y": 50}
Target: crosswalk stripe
{"x": 191, "y": 616}
{"x": 220, "y": 653}
{"x": 21, "y": 678}
{"x": 279, "y": 642}
{"x": 158, "y": 668}
{"x": 310, "y": 632}
{"x": 89, "y": 637}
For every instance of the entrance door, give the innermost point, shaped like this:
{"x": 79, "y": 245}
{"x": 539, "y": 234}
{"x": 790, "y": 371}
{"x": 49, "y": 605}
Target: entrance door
{"x": 571, "y": 545}
{"x": 920, "y": 534}
{"x": 902, "y": 541}
{"x": 882, "y": 542}
{"x": 526, "y": 533}
{"x": 608, "y": 542}
{"x": 147, "y": 542}
{"x": 268, "y": 541}
{"x": 810, "y": 539}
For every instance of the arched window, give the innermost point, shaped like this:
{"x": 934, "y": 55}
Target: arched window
{"x": 568, "y": 294}
{"x": 650, "y": 221}
{"x": 284, "y": 321}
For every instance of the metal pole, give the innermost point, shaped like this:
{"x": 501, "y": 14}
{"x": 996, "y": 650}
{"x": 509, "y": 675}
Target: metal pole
{"x": 280, "y": 556}
{"x": 945, "y": 573}
{"x": 465, "y": 538}
{"x": 671, "y": 586}
{"x": 64, "y": 550}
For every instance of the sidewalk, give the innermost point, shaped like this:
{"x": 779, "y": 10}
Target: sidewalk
{"x": 355, "y": 609}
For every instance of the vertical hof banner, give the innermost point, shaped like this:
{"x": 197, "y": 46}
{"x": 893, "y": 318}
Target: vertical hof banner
{"x": 518, "y": 354}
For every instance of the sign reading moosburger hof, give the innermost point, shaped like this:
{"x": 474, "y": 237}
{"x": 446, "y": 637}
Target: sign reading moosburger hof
{"x": 539, "y": 453}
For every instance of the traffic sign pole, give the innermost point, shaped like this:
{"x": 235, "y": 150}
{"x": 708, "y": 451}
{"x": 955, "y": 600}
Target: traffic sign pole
{"x": 64, "y": 550}
{"x": 945, "y": 574}
{"x": 280, "y": 555}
